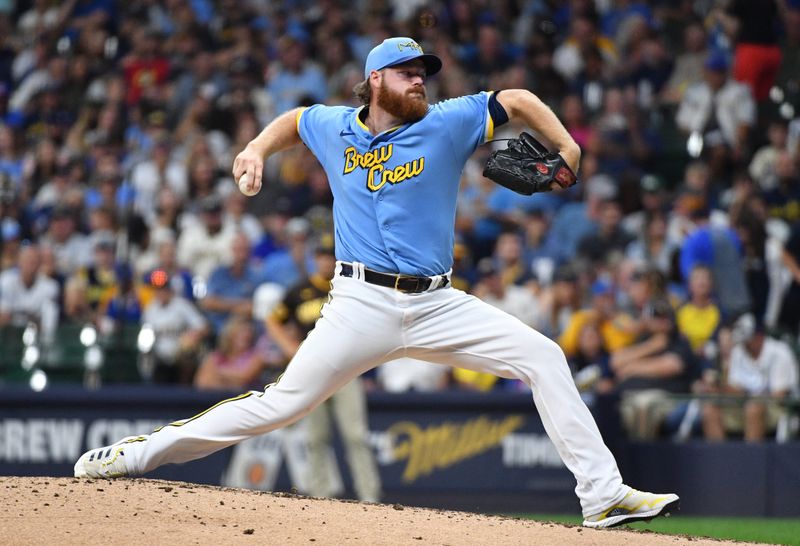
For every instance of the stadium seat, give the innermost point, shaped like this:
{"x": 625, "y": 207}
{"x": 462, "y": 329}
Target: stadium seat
{"x": 121, "y": 355}
{"x": 11, "y": 354}
{"x": 62, "y": 358}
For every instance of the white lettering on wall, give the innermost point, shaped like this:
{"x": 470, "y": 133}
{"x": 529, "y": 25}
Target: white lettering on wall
{"x": 530, "y": 450}
{"x": 40, "y": 440}
{"x": 107, "y": 431}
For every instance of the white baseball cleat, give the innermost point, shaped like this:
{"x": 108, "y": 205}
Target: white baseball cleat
{"x": 636, "y": 506}
{"x": 105, "y": 462}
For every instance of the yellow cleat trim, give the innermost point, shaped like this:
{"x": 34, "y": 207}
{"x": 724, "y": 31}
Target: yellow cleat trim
{"x": 650, "y": 504}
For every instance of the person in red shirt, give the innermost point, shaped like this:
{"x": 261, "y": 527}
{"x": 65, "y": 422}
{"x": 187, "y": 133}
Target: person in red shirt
{"x": 145, "y": 69}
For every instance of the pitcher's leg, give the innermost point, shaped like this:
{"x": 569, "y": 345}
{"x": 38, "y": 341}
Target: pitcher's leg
{"x": 471, "y": 334}
{"x": 330, "y": 357}
{"x": 349, "y": 406}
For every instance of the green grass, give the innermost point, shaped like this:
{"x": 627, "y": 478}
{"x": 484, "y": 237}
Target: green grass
{"x": 767, "y": 530}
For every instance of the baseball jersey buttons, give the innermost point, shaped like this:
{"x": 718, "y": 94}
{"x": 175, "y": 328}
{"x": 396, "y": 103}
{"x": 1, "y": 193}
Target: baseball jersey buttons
{"x": 387, "y": 226}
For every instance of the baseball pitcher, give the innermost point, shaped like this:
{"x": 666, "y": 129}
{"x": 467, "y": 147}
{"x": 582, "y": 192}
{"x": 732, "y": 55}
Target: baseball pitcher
{"x": 394, "y": 166}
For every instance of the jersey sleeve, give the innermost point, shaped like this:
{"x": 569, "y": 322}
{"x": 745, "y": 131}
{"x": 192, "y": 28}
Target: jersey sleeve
{"x": 314, "y": 124}
{"x": 285, "y": 311}
{"x": 468, "y": 121}
{"x": 281, "y": 313}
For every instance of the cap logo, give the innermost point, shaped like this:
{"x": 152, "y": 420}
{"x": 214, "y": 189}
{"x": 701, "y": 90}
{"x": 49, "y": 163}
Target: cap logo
{"x": 411, "y": 45}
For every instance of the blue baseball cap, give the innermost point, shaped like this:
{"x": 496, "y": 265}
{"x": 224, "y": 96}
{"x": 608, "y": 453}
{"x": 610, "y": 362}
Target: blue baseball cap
{"x": 601, "y": 287}
{"x": 399, "y": 50}
{"x": 716, "y": 61}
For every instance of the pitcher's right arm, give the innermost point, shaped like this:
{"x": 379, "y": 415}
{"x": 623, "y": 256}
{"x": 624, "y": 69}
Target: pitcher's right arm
{"x": 279, "y": 134}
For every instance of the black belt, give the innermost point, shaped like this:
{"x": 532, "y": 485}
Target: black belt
{"x": 403, "y": 283}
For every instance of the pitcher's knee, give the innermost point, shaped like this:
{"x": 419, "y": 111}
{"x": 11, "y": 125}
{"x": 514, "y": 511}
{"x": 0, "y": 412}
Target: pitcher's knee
{"x": 546, "y": 354}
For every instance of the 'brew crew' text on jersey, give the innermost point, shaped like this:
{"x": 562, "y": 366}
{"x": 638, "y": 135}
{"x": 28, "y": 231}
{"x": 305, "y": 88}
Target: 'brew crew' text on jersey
{"x": 395, "y": 193}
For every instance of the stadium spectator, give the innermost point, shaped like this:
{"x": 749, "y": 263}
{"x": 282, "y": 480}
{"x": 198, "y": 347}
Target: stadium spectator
{"x": 295, "y": 77}
{"x": 179, "y": 330}
{"x": 236, "y": 218}
{"x": 72, "y": 248}
{"x": 146, "y": 69}
{"x": 204, "y": 245}
{"x": 180, "y": 279}
{"x": 720, "y": 249}
{"x": 40, "y": 17}
{"x": 659, "y": 363}
{"x": 763, "y": 166}
{"x": 749, "y": 222}
{"x": 789, "y": 72}
{"x": 559, "y": 302}
{"x": 239, "y": 358}
{"x": 99, "y": 277}
{"x": 640, "y": 285}
{"x": 783, "y": 201}
{"x": 688, "y": 68}
{"x": 11, "y": 232}
{"x": 28, "y": 296}
{"x": 609, "y": 239}
{"x": 789, "y": 318}
{"x": 538, "y": 63}
{"x": 652, "y": 247}
{"x": 509, "y": 260}
{"x": 231, "y": 287}
{"x": 489, "y": 56}
{"x": 575, "y": 121}
{"x": 159, "y": 171}
{"x": 593, "y": 81}
{"x": 294, "y": 259}
{"x": 700, "y": 318}
{"x": 568, "y": 58}
{"x": 622, "y": 141}
{"x": 645, "y": 62}
{"x": 719, "y": 110}
{"x": 125, "y": 304}
{"x": 200, "y": 76}
{"x": 755, "y": 29}
{"x": 759, "y": 367}
{"x": 579, "y": 218}
{"x": 538, "y": 253}
{"x": 590, "y": 363}
{"x": 613, "y": 325}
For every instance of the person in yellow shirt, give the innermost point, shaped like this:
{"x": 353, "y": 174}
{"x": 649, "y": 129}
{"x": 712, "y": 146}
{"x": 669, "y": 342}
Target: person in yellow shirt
{"x": 699, "y": 318}
{"x": 615, "y": 327}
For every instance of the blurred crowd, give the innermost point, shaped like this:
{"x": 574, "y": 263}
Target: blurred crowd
{"x": 673, "y": 267}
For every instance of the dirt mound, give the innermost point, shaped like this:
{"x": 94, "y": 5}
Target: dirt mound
{"x": 71, "y": 511}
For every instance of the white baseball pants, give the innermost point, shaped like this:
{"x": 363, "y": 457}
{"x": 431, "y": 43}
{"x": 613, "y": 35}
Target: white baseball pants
{"x": 364, "y": 325}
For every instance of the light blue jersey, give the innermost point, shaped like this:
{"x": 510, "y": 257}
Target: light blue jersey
{"x": 395, "y": 193}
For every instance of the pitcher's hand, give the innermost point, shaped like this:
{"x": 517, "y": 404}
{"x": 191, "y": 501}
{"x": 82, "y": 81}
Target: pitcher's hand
{"x": 250, "y": 162}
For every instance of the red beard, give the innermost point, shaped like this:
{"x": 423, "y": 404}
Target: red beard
{"x": 408, "y": 107}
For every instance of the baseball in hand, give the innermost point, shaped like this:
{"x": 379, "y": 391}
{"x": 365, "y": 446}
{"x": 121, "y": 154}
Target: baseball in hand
{"x": 244, "y": 180}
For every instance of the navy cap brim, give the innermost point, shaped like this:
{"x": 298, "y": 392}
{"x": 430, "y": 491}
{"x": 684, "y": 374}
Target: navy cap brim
{"x": 433, "y": 64}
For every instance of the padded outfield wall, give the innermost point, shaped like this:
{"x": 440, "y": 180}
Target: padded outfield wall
{"x": 469, "y": 451}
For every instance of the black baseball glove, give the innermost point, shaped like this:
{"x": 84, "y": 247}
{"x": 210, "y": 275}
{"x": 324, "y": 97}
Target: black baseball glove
{"x": 527, "y": 167}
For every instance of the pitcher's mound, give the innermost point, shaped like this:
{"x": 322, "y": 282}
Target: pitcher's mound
{"x": 128, "y": 511}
